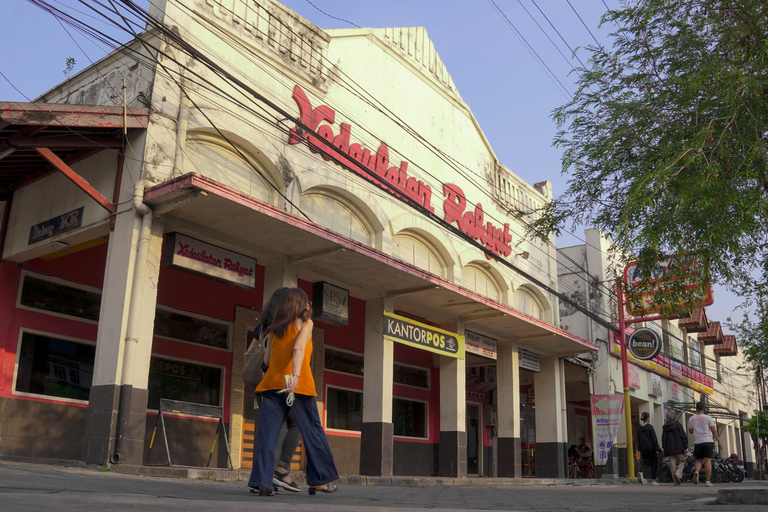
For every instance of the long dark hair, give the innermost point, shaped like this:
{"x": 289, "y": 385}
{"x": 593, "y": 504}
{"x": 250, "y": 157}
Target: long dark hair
{"x": 293, "y": 303}
{"x": 268, "y": 311}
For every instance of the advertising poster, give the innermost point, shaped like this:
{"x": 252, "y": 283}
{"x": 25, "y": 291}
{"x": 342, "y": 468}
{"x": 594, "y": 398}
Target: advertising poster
{"x": 606, "y": 415}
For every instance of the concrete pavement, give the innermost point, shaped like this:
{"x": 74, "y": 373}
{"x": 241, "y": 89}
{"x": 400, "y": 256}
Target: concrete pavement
{"x": 68, "y": 487}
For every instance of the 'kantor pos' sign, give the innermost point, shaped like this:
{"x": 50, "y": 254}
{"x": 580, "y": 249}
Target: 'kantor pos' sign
{"x": 644, "y": 343}
{"x": 406, "y": 331}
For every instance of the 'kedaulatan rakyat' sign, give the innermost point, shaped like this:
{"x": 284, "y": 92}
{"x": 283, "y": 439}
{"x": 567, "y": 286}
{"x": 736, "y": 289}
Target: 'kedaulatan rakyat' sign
{"x": 187, "y": 253}
{"x": 395, "y": 178}
{"x": 404, "y": 330}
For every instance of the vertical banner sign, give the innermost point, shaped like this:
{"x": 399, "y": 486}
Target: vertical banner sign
{"x": 606, "y": 415}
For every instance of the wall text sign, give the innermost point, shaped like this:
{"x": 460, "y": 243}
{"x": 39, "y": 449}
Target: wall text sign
{"x": 409, "y": 332}
{"x": 192, "y": 255}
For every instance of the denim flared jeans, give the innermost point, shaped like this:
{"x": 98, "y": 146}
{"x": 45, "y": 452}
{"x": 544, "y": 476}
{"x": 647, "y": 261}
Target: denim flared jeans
{"x": 320, "y": 466}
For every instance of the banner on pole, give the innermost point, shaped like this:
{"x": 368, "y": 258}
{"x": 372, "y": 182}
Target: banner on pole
{"x": 606, "y": 415}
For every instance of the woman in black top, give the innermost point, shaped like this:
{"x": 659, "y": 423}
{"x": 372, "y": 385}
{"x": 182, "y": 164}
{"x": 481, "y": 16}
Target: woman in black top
{"x": 647, "y": 449}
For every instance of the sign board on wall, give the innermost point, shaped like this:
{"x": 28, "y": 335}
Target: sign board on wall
{"x": 606, "y": 414}
{"x": 56, "y": 226}
{"x": 529, "y": 361}
{"x": 481, "y": 345}
{"x": 192, "y": 255}
{"x": 654, "y": 384}
{"x": 409, "y": 332}
{"x": 662, "y": 365}
{"x": 641, "y": 293}
{"x": 674, "y": 392}
{"x": 634, "y": 376}
{"x": 330, "y": 303}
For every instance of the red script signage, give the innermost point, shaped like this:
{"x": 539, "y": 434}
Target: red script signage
{"x": 362, "y": 162}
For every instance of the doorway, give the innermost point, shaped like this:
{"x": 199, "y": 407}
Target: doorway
{"x": 474, "y": 440}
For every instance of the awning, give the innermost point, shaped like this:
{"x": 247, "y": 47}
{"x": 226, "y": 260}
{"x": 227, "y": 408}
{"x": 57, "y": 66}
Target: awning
{"x": 37, "y": 139}
{"x": 196, "y": 204}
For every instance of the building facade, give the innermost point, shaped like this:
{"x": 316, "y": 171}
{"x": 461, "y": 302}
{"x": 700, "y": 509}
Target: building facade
{"x": 256, "y": 151}
{"x": 697, "y": 361}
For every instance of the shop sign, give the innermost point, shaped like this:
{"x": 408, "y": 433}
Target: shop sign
{"x": 676, "y": 370}
{"x": 481, "y": 345}
{"x": 330, "y": 303}
{"x": 644, "y": 343}
{"x": 662, "y": 365}
{"x": 531, "y": 396}
{"x": 641, "y": 293}
{"x": 56, "y": 226}
{"x": 351, "y": 155}
{"x": 528, "y": 360}
{"x": 192, "y": 255}
{"x": 633, "y": 372}
{"x": 606, "y": 413}
{"x": 408, "y": 332}
{"x": 654, "y": 384}
{"x": 674, "y": 391}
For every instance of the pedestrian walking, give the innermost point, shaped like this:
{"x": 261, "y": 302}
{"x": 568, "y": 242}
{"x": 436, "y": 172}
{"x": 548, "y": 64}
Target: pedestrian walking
{"x": 647, "y": 450}
{"x": 704, "y": 431}
{"x": 281, "y": 476}
{"x": 288, "y": 385}
{"x": 674, "y": 443}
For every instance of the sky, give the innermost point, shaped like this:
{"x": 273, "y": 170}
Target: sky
{"x": 511, "y": 61}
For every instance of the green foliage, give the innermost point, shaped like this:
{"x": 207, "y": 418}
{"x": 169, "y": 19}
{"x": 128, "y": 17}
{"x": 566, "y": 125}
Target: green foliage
{"x": 70, "y": 62}
{"x": 757, "y": 423}
{"x": 666, "y": 141}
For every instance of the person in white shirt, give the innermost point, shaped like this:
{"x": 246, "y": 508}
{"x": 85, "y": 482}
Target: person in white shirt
{"x": 704, "y": 433}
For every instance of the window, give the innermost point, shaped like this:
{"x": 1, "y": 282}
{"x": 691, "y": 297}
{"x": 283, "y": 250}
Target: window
{"x": 187, "y": 382}
{"x": 332, "y": 213}
{"x": 54, "y": 367}
{"x": 57, "y": 297}
{"x": 529, "y": 305}
{"x": 217, "y": 160}
{"x": 343, "y": 361}
{"x": 480, "y": 282}
{"x": 194, "y": 329}
{"x": 344, "y": 409}
{"x": 412, "y": 250}
{"x": 411, "y": 376}
{"x": 695, "y": 354}
{"x": 410, "y": 418}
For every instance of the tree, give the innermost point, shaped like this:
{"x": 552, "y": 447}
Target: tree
{"x": 757, "y": 428}
{"x": 666, "y": 140}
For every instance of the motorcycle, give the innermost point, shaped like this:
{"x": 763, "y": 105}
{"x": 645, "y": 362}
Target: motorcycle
{"x": 719, "y": 471}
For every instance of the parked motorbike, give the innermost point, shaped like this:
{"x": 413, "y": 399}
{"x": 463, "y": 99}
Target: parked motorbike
{"x": 719, "y": 471}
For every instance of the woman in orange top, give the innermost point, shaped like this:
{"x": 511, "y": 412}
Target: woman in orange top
{"x": 288, "y": 385}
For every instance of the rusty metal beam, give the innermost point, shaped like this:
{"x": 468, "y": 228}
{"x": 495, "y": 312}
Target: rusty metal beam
{"x": 53, "y": 114}
{"x": 65, "y": 142}
{"x": 76, "y": 179}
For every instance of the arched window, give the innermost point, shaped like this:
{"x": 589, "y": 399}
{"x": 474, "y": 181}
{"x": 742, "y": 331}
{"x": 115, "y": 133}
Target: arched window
{"x": 411, "y": 250}
{"x": 528, "y": 304}
{"x": 215, "y": 159}
{"x": 336, "y": 214}
{"x": 480, "y": 281}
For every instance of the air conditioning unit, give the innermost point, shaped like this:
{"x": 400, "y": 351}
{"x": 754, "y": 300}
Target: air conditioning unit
{"x": 487, "y": 376}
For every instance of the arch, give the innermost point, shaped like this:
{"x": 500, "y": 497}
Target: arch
{"x": 349, "y": 189}
{"x": 530, "y": 300}
{"x": 437, "y": 237}
{"x": 481, "y": 277}
{"x": 210, "y": 155}
{"x": 411, "y": 247}
{"x": 332, "y": 209}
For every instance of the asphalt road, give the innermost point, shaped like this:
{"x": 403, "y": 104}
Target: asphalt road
{"x": 37, "y": 487}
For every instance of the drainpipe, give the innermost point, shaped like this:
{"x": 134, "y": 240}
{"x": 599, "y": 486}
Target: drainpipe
{"x": 131, "y": 334}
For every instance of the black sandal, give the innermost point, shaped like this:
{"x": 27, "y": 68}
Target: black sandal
{"x": 328, "y": 489}
{"x": 279, "y": 479}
